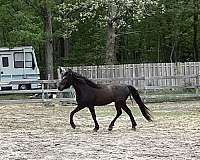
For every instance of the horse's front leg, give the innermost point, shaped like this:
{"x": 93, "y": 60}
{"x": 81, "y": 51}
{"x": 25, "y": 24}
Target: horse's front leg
{"x": 78, "y": 108}
{"x": 92, "y": 111}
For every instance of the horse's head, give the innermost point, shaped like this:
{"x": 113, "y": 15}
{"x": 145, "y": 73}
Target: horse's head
{"x": 67, "y": 80}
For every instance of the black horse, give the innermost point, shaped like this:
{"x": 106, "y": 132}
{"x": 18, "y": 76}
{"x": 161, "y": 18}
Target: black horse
{"x": 90, "y": 94}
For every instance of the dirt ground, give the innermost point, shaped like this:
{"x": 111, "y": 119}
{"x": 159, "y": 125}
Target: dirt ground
{"x": 38, "y": 132}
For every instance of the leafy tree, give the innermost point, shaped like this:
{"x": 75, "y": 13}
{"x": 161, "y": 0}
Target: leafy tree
{"x": 178, "y": 19}
{"x": 18, "y": 24}
{"x": 114, "y": 14}
{"x": 196, "y": 12}
{"x": 88, "y": 32}
{"x": 43, "y": 9}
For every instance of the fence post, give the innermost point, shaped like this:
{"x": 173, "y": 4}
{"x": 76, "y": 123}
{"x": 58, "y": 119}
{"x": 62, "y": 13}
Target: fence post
{"x": 145, "y": 85}
{"x": 43, "y": 91}
{"x": 48, "y": 84}
{"x": 58, "y": 72}
{"x": 197, "y": 84}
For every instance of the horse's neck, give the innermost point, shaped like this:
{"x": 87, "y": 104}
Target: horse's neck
{"x": 80, "y": 88}
{"x": 77, "y": 89}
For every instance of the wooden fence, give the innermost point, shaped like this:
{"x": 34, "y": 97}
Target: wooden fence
{"x": 142, "y": 76}
{"x": 145, "y": 75}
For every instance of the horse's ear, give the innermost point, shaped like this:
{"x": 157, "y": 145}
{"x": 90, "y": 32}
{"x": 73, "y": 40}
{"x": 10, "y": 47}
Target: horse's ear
{"x": 70, "y": 71}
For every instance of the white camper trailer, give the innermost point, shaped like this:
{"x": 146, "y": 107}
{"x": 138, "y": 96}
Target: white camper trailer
{"x": 18, "y": 64}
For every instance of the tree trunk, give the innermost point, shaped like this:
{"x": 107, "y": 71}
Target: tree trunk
{"x": 48, "y": 41}
{"x": 110, "y": 45}
{"x": 66, "y": 51}
{"x": 195, "y": 30}
{"x": 111, "y": 37}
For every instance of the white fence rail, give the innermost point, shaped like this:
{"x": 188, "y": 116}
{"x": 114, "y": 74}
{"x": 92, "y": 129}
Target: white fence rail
{"x": 45, "y": 89}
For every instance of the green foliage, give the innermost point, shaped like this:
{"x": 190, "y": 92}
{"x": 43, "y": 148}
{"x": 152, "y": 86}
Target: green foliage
{"x": 87, "y": 45}
{"x": 146, "y": 31}
{"x": 19, "y": 25}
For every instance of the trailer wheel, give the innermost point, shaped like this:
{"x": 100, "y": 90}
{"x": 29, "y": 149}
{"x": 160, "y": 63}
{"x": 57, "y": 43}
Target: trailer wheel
{"x": 24, "y": 87}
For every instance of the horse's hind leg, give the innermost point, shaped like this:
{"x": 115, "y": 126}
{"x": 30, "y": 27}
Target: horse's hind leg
{"x": 78, "y": 108}
{"x": 128, "y": 111}
{"x": 92, "y": 111}
{"x": 119, "y": 112}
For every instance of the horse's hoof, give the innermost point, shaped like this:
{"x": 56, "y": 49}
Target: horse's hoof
{"x": 95, "y": 129}
{"x": 133, "y": 128}
{"x": 73, "y": 126}
{"x": 110, "y": 128}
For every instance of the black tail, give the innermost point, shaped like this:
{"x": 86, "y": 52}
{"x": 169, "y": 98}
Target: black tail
{"x": 143, "y": 108}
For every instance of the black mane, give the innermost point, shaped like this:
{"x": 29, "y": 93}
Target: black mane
{"x": 83, "y": 79}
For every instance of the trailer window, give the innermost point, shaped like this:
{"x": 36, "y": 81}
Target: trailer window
{"x": 19, "y": 60}
{"x": 29, "y": 59}
{"x": 5, "y": 61}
